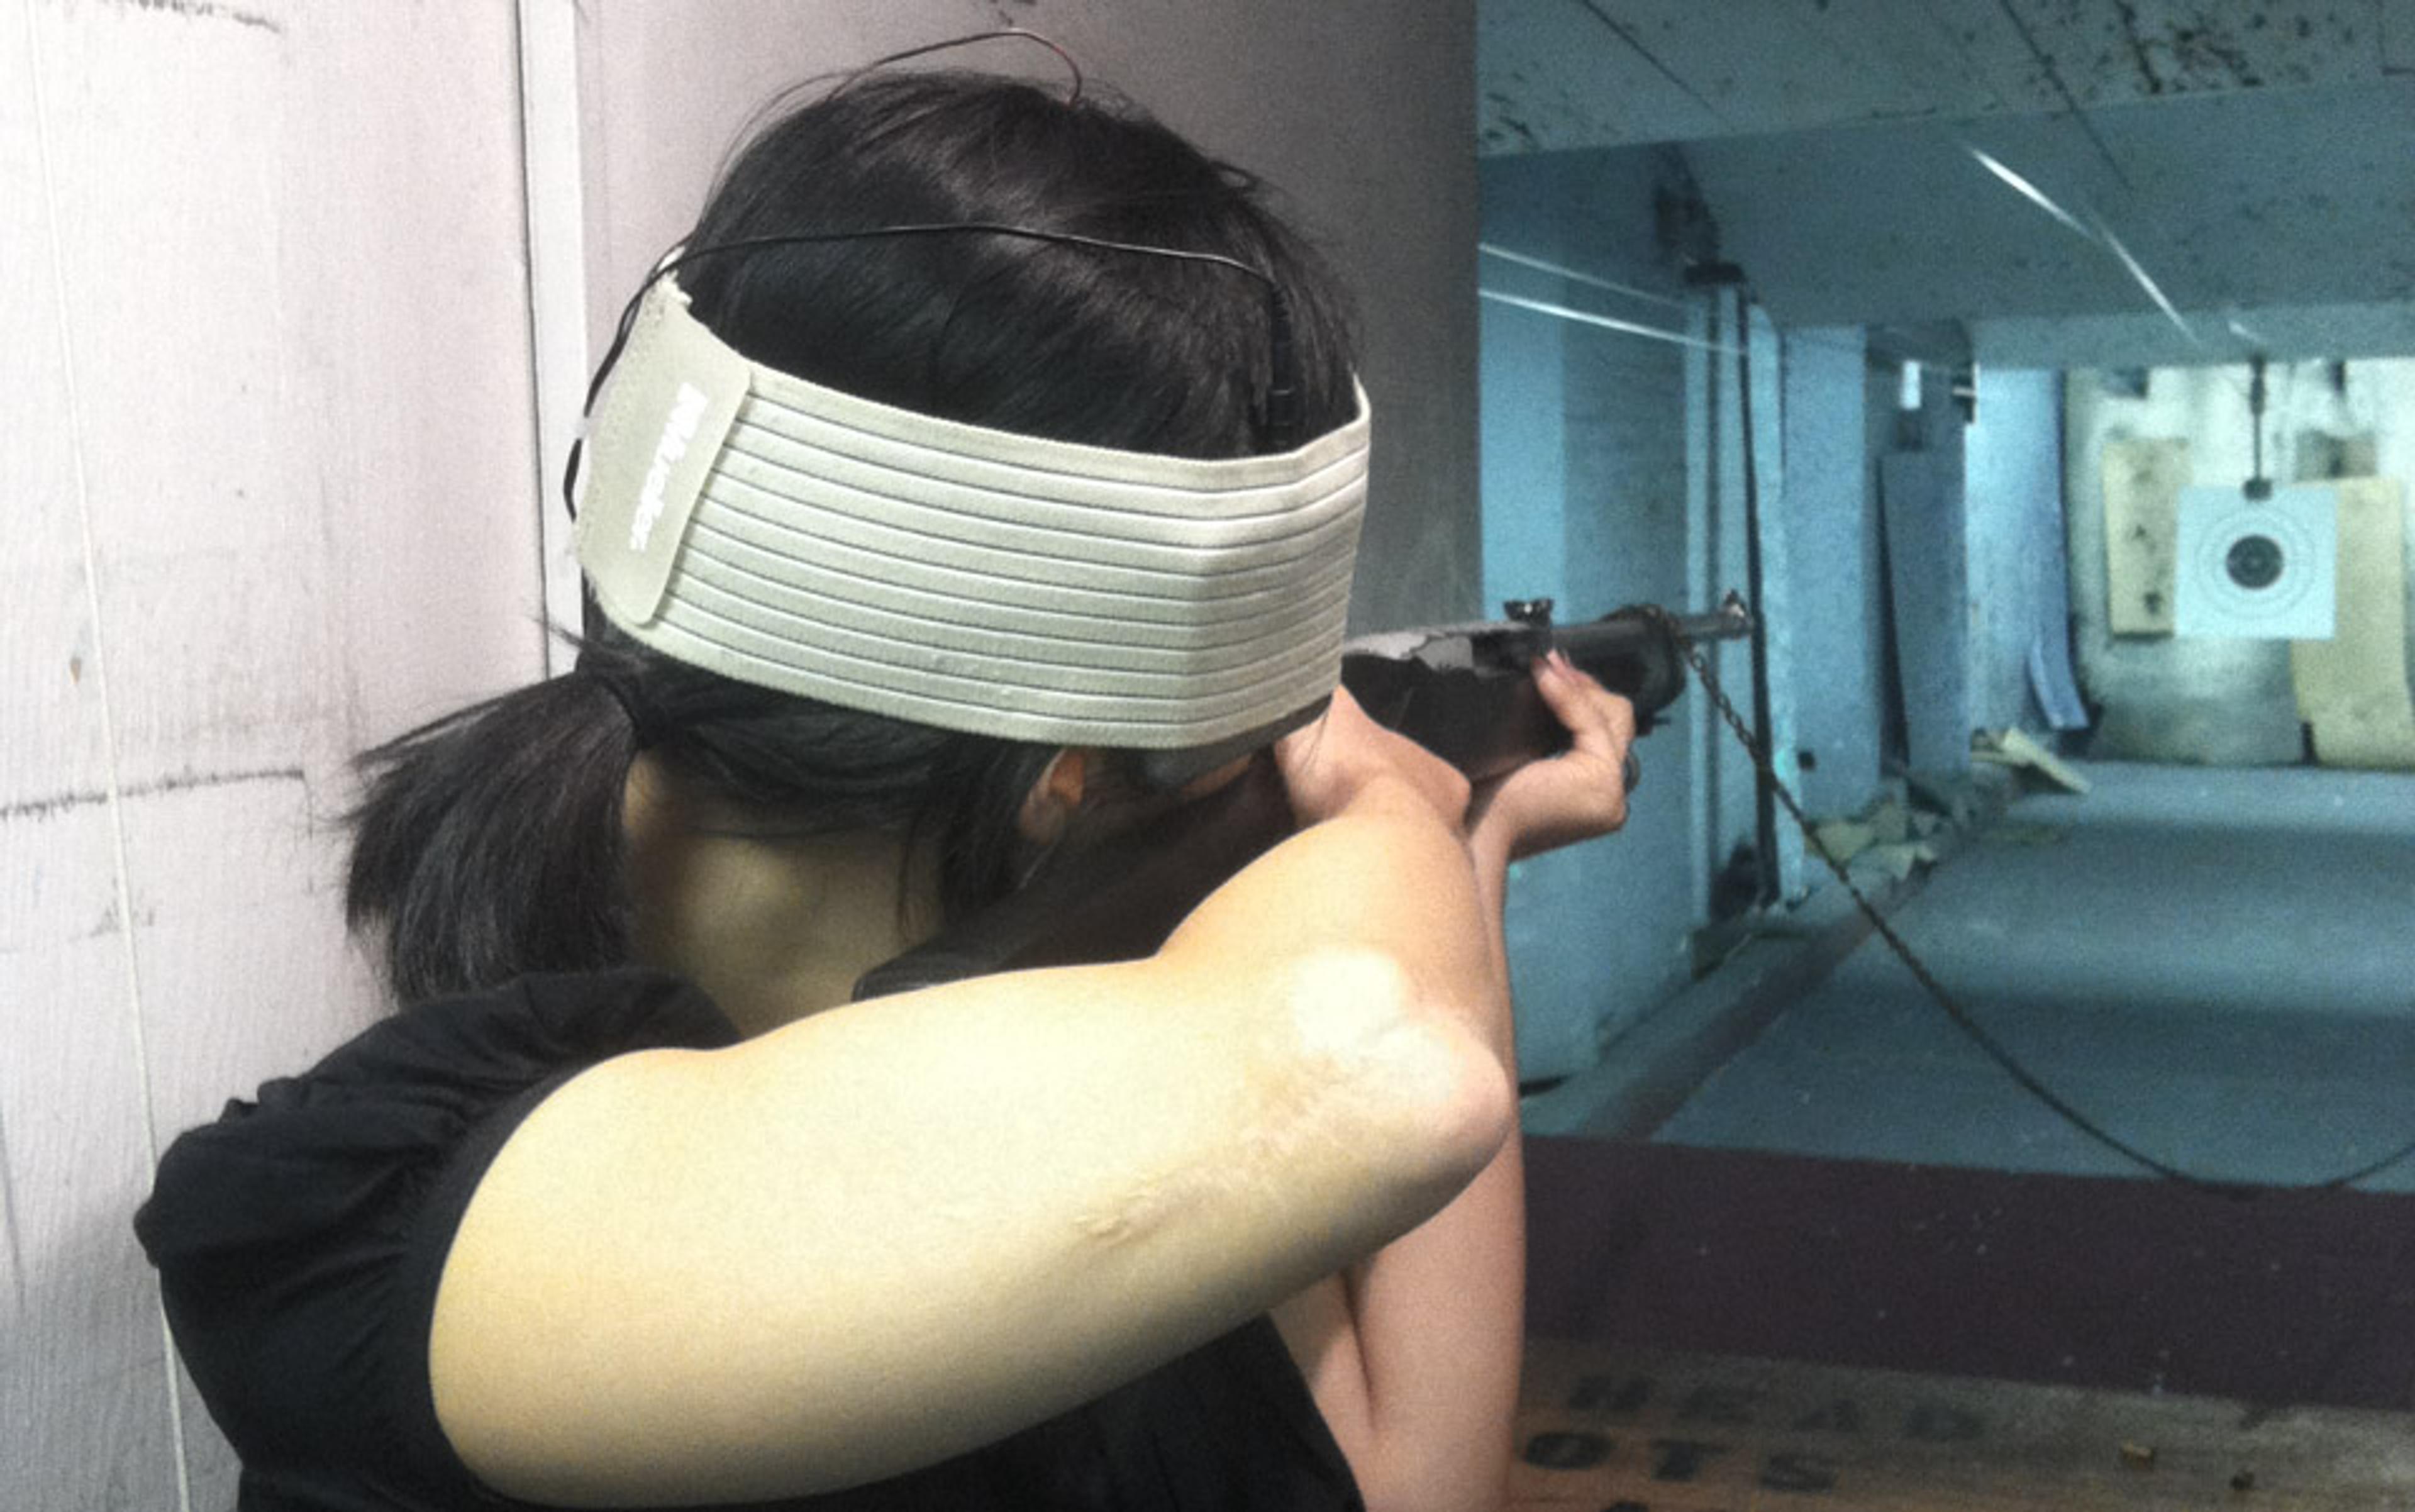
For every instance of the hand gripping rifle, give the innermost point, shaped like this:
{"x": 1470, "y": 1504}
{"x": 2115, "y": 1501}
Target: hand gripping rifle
{"x": 1463, "y": 691}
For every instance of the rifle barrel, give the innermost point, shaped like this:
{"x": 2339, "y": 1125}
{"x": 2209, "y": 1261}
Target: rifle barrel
{"x": 1465, "y": 692}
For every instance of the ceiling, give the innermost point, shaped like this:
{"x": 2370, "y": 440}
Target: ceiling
{"x": 2250, "y": 157}
{"x": 1555, "y": 74}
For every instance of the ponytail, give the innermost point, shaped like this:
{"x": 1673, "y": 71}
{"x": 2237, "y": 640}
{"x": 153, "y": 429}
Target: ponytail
{"x": 488, "y": 843}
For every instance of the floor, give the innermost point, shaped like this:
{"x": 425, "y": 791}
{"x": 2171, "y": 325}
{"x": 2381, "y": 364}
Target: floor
{"x": 1650, "y": 1431}
{"x": 2218, "y": 966}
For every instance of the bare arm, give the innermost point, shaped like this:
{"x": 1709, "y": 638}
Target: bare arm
{"x": 898, "y": 1230}
{"x": 1414, "y": 1353}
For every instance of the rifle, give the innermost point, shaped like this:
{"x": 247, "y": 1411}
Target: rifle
{"x": 1464, "y": 692}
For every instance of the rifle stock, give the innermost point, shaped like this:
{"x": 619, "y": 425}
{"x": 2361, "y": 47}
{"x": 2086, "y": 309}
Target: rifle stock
{"x": 1464, "y": 692}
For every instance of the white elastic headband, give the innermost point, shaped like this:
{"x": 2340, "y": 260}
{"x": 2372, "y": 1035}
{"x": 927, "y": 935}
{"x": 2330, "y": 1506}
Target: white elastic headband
{"x": 784, "y": 533}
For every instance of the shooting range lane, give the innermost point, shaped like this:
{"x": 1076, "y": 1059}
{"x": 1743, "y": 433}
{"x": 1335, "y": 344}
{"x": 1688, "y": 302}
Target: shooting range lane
{"x": 2215, "y": 963}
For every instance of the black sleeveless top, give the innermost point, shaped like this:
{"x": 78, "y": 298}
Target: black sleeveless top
{"x": 300, "y": 1239}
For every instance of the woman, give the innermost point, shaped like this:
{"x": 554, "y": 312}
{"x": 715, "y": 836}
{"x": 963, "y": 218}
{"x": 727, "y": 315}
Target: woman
{"x": 630, "y": 1205}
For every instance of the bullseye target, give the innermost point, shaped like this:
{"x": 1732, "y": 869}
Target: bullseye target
{"x": 2263, "y": 569}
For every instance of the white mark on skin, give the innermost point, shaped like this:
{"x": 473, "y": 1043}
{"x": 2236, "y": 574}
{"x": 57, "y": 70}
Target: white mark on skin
{"x": 1353, "y": 1049}
{"x": 1350, "y": 1012}
{"x": 1140, "y": 1212}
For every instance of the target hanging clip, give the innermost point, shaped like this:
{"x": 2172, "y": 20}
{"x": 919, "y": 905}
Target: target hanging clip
{"x": 2258, "y": 488}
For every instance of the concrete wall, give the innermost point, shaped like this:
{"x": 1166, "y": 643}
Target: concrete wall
{"x": 1842, "y": 423}
{"x": 1585, "y": 502}
{"x": 1921, "y": 493}
{"x": 272, "y": 406}
{"x": 1832, "y": 509}
{"x": 2013, "y": 473}
{"x": 2215, "y": 702}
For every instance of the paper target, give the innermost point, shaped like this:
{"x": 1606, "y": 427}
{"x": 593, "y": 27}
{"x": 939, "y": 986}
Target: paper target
{"x": 2268, "y": 570}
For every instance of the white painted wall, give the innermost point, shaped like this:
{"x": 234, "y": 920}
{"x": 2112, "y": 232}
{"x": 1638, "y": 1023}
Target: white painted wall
{"x": 266, "y": 478}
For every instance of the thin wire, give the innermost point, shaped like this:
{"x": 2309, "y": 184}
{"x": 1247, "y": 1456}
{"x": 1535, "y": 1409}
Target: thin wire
{"x": 2093, "y": 231}
{"x": 2154, "y": 291}
{"x": 1489, "y": 249}
{"x": 2258, "y": 393}
{"x": 1628, "y": 36}
{"x": 1073, "y": 96}
{"x": 2054, "y": 77}
{"x": 1282, "y": 416}
{"x": 2029, "y": 191}
{"x": 683, "y": 256}
{"x": 1606, "y": 322}
{"x": 2101, "y": 234}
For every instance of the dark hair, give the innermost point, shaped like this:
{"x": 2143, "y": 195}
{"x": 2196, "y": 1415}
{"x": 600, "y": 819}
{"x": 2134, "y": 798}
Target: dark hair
{"x": 489, "y": 844}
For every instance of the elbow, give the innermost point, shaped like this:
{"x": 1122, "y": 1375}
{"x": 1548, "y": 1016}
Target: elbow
{"x": 1477, "y": 1112}
{"x": 1419, "y": 1084}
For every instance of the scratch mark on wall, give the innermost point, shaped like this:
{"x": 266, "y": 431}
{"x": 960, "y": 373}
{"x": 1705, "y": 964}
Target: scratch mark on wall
{"x": 2140, "y": 58}
{"x": 2203, "y": 54}
{"x": 52, "y": 803}
{"x": 206, "y": 10}
{"x": 1628, "y": 36}
{"x": 1960, "y": 40}
{"x": 1503, "y": 126}
{"x": 2071, "y": 101}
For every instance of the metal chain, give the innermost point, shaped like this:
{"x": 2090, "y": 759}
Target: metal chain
{"x": 1927, "y": 980}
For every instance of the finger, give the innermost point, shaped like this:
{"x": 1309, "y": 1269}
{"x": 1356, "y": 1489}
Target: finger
{"x": 1599, "y": 720}
{"x": 1601, "y": 735}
